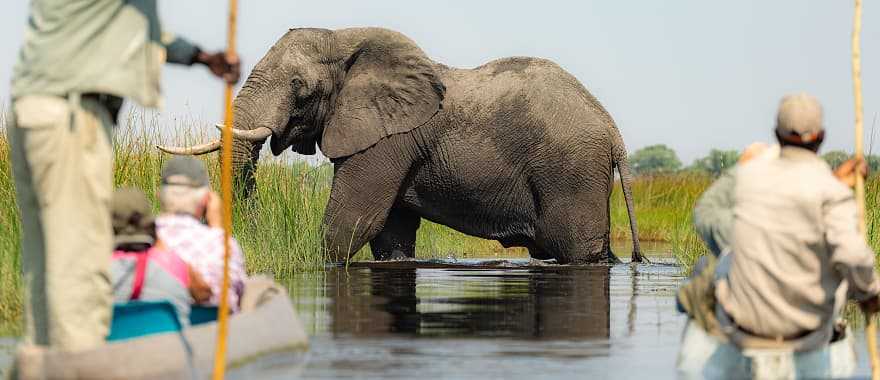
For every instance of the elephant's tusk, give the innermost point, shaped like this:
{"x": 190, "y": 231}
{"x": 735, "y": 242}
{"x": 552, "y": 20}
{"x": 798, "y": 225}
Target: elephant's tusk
{"x": 258, "y": 134}
{"x": 194, "y": 150}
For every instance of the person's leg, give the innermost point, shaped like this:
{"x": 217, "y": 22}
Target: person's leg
{"x": 68, "y": 161}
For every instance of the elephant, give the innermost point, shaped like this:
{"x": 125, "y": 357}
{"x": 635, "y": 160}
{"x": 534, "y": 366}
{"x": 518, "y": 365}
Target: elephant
{"x": 515, "y": 150}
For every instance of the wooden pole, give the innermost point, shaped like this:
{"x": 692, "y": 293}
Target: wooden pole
{"x": 226, "y": 189}
{"x": 870, "y": 321}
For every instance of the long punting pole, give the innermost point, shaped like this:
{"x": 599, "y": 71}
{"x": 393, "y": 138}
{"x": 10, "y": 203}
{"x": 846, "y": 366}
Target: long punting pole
{"x": 226, "y": 189}
{"x": 871, "y": 322}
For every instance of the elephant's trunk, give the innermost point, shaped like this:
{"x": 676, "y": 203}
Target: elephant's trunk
{"x": 622, "y": 164}
{"x": 245, "y": 154}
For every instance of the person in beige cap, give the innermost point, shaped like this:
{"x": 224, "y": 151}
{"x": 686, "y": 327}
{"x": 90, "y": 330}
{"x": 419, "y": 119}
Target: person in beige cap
{"x": 784, "y": 227}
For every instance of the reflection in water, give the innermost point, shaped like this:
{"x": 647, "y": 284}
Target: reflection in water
{"x": 542, "y": 303}
{"x": 631, "y": 316}
{"x": 495, "y": 319}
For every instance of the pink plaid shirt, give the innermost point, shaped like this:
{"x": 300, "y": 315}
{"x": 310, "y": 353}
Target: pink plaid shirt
{"x": 201, "y": 247}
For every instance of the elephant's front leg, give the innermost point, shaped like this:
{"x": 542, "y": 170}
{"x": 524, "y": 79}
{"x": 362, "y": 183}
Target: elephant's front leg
{"x": 398, "y": 239}
{"x": 365, "y": 187}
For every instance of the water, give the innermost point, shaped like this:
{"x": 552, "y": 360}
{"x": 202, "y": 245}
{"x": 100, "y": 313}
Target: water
{"x": 498, "y": 321}
{"x": 480, "y": 318}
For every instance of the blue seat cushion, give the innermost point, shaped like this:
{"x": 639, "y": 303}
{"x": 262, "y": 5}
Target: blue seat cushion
{"x": 202, "y": 314}
{"x": 141, "y": 318}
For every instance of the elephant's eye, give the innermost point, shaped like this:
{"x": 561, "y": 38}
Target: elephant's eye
{"x": 302, "y": 89}
{"x": 297, "y": 84}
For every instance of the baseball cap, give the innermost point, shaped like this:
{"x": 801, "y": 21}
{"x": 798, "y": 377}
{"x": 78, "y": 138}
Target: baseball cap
{"x": 132, "y": 218}
{"x": 185, "y": 171}
{"x": 799, "y": 117}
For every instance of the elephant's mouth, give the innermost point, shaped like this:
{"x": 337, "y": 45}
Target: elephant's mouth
{"x": 292, "y": 136}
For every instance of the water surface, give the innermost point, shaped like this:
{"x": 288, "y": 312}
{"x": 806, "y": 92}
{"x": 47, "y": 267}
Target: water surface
{"x": 490, "y": 319}
{"x": 510, "y": 319}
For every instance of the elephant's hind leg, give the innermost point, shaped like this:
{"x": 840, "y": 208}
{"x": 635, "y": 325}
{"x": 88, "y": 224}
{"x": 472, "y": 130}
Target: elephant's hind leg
{"x": 575, "y": 231}
{"x": 398, "y": 239}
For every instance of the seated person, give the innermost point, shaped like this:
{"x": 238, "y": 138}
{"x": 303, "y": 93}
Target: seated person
{"x": 784, "y": 227}
{"x": 142, "y": 269}
{"x": 186, "y": 200}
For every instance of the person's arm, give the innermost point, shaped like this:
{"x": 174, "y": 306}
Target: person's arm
{"x": 237, "y": 273}
{"x": 198, "y": 287}
{"x": 713, "y": 214}
{"x": 181, "y": 51}
{"x": 851, "y": 256}
{"x": 214, "y": 219}
{"x": 213, "y": 210}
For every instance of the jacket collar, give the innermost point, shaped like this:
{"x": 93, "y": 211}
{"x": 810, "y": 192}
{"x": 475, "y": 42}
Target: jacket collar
{"x": 798, "y": 154}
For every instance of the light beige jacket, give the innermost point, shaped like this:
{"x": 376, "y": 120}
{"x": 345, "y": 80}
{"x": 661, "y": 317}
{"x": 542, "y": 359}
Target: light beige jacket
{"x": 795, "y": 243}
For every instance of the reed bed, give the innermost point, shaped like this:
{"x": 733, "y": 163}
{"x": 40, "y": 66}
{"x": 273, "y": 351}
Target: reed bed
{"x": 279, "y": 228}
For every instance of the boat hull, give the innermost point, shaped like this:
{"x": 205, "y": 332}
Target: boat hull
{"x": 270, "y": 328}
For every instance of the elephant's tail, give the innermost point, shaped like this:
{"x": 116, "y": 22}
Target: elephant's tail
{"x": 622, "y": 164}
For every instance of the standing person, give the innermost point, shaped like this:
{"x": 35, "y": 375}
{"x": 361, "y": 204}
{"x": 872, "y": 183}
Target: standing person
{"x": 78, "y": 61}
{"x": 186, "y": 201}
{"x": 790, "y": 256}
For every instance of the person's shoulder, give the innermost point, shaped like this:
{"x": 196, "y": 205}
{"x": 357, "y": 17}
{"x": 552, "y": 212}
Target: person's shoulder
{"x": 824, "y": 176}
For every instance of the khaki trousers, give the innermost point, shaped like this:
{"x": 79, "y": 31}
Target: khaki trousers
{"x": 62, "y": 163}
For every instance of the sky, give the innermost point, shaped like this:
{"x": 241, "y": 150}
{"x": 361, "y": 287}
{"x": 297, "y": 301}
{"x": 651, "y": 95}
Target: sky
{"x": 692, "y": 74}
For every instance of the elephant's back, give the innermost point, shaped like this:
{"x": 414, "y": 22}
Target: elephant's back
{"x": 516, "y": 99}
{"x": 523, "y": 82}
{"x": 524, "y": 118}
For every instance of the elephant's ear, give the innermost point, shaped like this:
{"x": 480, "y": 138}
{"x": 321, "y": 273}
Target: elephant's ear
{"x": 390, "y": 87}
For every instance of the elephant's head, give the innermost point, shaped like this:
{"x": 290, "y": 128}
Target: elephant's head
{"x": 342, "y": 90}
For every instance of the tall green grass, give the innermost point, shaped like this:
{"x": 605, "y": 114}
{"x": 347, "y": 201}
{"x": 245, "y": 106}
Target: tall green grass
{"x": 664, "y": 205}
{"x": 279, "y": 228}
{"x": 10, "y": 230}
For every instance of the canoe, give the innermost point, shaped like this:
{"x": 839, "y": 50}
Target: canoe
{"x": 271, "y": 327}
{"x": 703, "y": 356}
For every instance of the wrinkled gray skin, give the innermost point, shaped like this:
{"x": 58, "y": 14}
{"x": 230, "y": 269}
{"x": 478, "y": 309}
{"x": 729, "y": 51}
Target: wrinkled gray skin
{"x": 516, "y": 150}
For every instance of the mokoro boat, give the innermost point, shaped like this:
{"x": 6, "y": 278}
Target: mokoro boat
{"x": 272, "y": 327}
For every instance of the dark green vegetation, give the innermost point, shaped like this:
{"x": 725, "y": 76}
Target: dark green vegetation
{"x": 655, "y": 159}
{"x": 661, "y": 159}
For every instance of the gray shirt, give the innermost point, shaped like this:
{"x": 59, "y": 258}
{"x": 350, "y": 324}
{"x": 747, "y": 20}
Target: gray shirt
{"x": 113, "y": 47}
{"x": 795, "y": 245}
{"x": 160, "y": 283}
